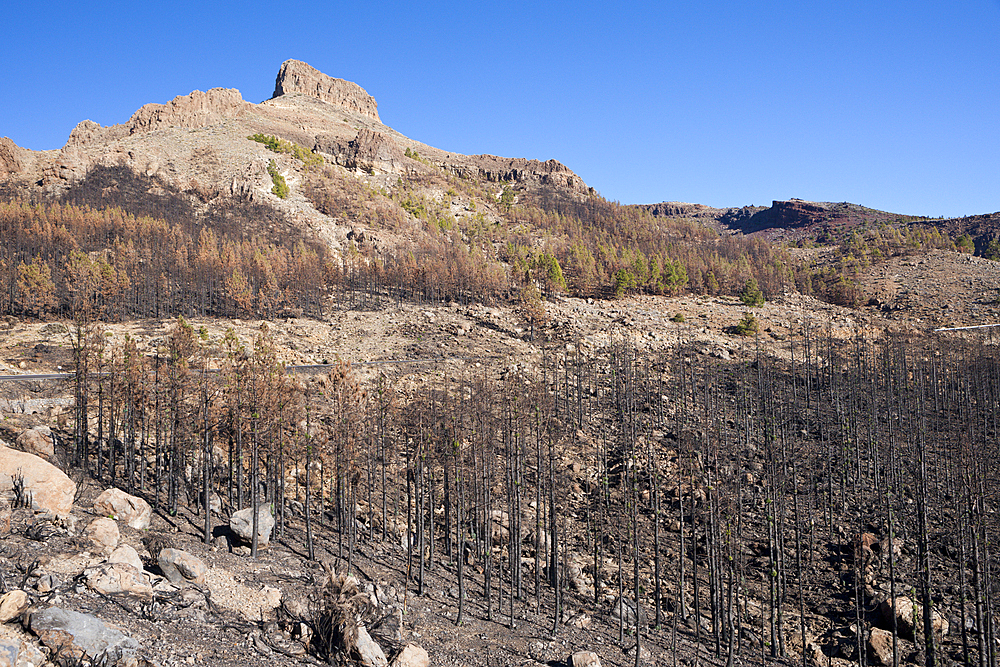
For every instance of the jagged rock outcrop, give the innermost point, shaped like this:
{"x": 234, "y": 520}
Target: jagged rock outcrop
{"x": 196, "y": 147}
{"x": 296, "y": 76}
{"x": 676, "y": 209}
{"x": 738, "y": 218}
{"x": 369, "y": 151}
{"x": 197, "y": 109}
{"x": 87, "y": 133}
{"x": 10, "y": 157}
{"x": 517, "y": 170}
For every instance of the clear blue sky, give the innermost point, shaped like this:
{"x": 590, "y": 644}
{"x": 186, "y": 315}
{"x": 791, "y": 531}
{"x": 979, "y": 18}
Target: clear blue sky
{"x": 894, "y": 105}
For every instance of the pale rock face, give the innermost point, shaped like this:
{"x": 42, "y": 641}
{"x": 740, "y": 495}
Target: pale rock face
{"x": 880, "y": 643}
{"x": 369, "y": 151}
{"x": 909, "y": 618}
{"x": 197, "y": 109}
{"x": 10, "y": 157}
{"x": 123, "y": 507}
{"x": 50, "y": 489}
{"x": 17, "y": 649}
{"x": 296, "y": 76}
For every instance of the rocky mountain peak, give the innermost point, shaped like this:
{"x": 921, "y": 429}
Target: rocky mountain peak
{"x": 296, "y": 76}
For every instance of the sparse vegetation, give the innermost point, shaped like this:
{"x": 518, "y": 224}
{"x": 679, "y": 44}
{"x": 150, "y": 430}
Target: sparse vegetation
{"x": 748, "y": 326}
{"x": 751, "y": 296}
{"x": 280, "y": 187}
{"x": 301, "y": 153}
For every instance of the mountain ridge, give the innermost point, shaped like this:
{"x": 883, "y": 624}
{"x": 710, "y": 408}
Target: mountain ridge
{"x": 339, "y": 120}
{"x": 198, "y": 144}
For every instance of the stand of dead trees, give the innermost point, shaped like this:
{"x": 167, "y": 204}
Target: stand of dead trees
{"x": 841, "y": 490}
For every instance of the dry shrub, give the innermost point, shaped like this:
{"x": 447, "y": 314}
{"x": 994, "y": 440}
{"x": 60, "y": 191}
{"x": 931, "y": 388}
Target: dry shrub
{"x": 340, "y": 607}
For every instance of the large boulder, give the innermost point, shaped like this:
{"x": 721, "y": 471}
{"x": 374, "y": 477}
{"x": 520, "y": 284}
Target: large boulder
{"x": 242, "y": 524}
{"x": 74, "y": 636}
{"x": 118, "y": 505}
{"x": 625, "y": 609}
{"x": 49, "y": 488}
{"x": 102, "y": 534}
{"x": 37, "y": 441}
{"x": 180, "y": 566}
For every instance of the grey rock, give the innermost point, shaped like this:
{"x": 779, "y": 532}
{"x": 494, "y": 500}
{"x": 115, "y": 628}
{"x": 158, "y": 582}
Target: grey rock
{"x": 9, "y": 650}
{"x": 45, "y": 583}
{"x": 624, "y": 608}
{"x": 18, "y": 650}
{"x": 389, "y": 628}
{"x": 74, "y": 635}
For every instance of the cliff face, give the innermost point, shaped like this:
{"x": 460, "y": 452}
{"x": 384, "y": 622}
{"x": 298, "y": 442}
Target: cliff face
{"x": 296, "y": 76}
{"x": 519, "y": 171}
